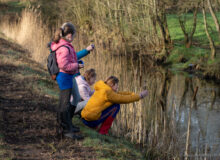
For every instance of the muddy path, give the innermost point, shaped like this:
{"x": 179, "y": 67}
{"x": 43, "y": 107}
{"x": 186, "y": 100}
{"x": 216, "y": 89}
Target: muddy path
{"x": 28, "y": 119}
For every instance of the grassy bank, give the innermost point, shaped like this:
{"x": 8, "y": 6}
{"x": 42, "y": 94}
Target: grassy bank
{"x": 104, "y": 147}
{"x": 197, "y": 58}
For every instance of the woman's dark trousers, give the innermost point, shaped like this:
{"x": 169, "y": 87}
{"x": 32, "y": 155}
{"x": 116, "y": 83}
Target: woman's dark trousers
{"x": 64, "y": 112}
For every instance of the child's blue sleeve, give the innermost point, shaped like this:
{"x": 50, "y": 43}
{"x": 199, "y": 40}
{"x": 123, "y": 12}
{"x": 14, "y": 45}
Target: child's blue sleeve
{"x": 82, "y": 54}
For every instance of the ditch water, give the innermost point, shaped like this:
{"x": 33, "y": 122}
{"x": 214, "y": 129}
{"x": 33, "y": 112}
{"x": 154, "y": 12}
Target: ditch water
{"x": 181, "y": 114}
{"x": 198, "y": 118}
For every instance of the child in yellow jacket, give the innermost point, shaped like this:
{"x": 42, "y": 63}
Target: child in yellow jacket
{"x": 103, "y": 105}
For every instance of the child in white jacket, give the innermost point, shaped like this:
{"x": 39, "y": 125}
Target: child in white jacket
{"x": 84, "y": 82}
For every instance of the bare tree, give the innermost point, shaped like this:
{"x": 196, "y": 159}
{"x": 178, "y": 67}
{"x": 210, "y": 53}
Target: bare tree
{"x": 214, "y": 17}
{"x": 189, "y": 36}
{"x": 211, "y": 42}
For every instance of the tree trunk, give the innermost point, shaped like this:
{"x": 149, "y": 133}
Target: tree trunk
{"x": 162, "y": 22}
{"x": 188, "y": 41}
{"x": 154, "y": 24}
{"x": 163, "y": 35}
{"x": 211, "y": 42}
{"x": 214, "y": 17}
{"x": 194, "y": 23}
{"x": 182, "y": 25}
{"x": 189, "y": 36}
{"x": 168, "y": 38}
{"x": 160, "y": 17}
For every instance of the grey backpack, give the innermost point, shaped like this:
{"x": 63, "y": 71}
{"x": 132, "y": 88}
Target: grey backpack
{"x": 52, "y": 65}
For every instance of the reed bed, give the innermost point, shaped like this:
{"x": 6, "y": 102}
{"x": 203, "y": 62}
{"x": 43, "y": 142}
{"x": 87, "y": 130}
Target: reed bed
{"x": 30, "y": 32}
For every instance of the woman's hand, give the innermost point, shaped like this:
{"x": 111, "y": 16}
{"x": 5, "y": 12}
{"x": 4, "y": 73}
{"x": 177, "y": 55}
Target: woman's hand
{"x": 81, "y": 66}
{"x": 90, "y": 47}
{"x": 143, "y": 94}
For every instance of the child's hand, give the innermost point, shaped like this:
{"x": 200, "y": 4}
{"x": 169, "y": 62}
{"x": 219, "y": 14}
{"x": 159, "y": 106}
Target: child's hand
{"x": 143, "y": 93}
{"x": 90, "y": 47}
{"x": 81, "y": 66}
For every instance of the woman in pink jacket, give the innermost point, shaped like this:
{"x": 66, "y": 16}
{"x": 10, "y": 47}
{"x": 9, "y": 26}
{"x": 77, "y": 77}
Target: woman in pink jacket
{"x": 68, "y": 65}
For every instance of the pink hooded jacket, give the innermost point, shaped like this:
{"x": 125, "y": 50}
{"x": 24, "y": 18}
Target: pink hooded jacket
{"x": 67, "y": 62}
{"x": 84, "y": 88}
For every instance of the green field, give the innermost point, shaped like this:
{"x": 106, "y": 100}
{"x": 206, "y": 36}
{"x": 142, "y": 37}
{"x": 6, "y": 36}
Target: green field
{"x": 199, "y": 52}
{"x": 199, "y": 36}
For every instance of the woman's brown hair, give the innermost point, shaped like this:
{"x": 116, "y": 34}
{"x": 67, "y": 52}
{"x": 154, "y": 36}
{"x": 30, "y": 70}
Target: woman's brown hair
{"x": 65, "y": 29}
{"x": 89, "y": 74}
{"x": 111, "y": 81}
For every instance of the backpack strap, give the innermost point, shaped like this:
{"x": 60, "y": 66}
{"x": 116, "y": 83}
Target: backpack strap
{"x": 60, "y": 47}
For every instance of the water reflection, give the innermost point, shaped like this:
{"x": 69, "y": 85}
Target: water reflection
{"x": 170, "y": 117}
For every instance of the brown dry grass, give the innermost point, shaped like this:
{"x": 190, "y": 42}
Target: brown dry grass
{"x": 29, "y": 32}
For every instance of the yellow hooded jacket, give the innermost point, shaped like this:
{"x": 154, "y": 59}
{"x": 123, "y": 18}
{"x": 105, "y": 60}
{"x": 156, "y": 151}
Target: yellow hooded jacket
{"x": 104, "y": 97}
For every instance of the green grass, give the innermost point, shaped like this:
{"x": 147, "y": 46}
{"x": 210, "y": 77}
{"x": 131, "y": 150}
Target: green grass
{"x": 47, "y": 87}
{"x": 191, "y": 55}
{"x": 43, "y": 83}
{"x": 199, "y": 36}
{"x": 199, "y": 52}
{"x": 108, "y": 147}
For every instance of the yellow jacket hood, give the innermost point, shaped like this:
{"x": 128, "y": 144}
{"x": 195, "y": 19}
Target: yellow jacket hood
{"x": 101, "y": 85}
